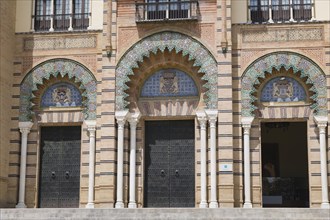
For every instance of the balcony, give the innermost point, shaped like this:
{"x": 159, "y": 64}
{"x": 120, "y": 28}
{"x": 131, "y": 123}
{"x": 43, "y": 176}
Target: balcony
{"x": 279, "y": 13}
{"x": 61, "y": 22}
{"x": 167, "y": 11}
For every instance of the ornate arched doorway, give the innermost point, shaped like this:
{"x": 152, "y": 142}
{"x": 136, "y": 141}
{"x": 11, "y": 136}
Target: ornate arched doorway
{"x": 58, "y": 101}
{"x": 283, "y": 93}
{"x": 162, "y": 83}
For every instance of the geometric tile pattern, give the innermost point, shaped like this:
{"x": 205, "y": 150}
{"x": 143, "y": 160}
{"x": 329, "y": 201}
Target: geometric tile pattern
{"x": 184, "y": 84}
{"x": 58, "y": 67}
{"x": 299, "y": 63}
{"x": 171, "y": 41}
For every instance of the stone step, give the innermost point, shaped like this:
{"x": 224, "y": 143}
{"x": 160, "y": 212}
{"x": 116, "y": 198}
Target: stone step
{"x": 168, "y": 214}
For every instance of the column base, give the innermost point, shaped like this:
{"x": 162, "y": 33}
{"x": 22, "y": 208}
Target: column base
{"x": 325, "y": 205}
{"x": 119, "y": 205}
{"x": 247, "y": 205}
{"x": 203, "y": 205}
{"x": 20, "y": 205}
{"x": 213, "y": 205}
{"x": 132, "y": 205}
{"x": 90, "y": 205}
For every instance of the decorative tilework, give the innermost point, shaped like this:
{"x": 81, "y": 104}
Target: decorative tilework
{"x": 283, "y": 89}
{"x": 171, "y": 41}
{"x": 54, "y": 68}
{"x": 61, "y": 95}
{"x": 297, "y": 62}
{"x": 179, "y": 83}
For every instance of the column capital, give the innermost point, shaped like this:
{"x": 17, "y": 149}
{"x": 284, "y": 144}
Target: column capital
{"x": 91, "y": 125}
{"x": 121, "y": 117}
{"x": 25, "y": 127}
{"x": 212, "y": 115}
{"x": 246, "y": 122}
{"x": 321, "y": 121}
{"x": 201, "y": 117}
{"x": 134, "y": 118}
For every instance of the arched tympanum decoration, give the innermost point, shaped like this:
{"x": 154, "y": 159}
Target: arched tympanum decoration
{"x": 56, "y": 67}
{"x": 299, "y": 64}
{"x": 171, "y": 41}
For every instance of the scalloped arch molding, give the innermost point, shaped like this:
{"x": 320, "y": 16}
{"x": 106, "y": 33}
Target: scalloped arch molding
{"x": 171, "y": 41}
{"x": 309, "y": 69}
{"x": 54, "y": 68}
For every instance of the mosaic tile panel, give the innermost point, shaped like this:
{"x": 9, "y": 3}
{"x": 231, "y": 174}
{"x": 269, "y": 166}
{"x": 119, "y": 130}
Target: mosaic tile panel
{"x": 171, "y": 41}
{"x": 54, "y": 68}
{"x": 297, "y": 62}
{"x": 61, "y": 95}
{"x": 283, "y": 89}
{"x": 169, "y": 82}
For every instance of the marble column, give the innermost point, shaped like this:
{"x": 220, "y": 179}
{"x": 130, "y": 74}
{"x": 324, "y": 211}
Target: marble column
{"x": 246, "y": 125}
{"x": 24, "y": 128}
{"x": 121, "y": 117}
{"x": 71, "y": 14}
{"x": 52, "y": 14}
{"x": 291, "y": 11}
{"x": 133, "y": 121}
{"x": 91, "y": 127}
{"x": 202, "y": 118}
{"x": 270, "y": 12}
{"x": 33, "y": 15}
{"x": 212, "y": 116}
{"x": 322, "y": 122}
{"x": 90, "y": 15}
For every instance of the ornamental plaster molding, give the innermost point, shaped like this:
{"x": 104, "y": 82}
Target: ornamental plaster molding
{"x": 171, "y": 41}
{"x": 282, "y": 35}
{"x": 54, "y": 68}
{"x": 299, "y": 63}
{"x": 56, "y": 43}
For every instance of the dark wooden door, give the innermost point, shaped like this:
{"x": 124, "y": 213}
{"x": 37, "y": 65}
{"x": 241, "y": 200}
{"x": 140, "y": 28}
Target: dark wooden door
{"x": 169, "y": 166}
{"x": 59, "y": 180}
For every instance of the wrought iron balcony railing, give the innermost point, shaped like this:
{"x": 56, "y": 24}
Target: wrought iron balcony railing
{"x": 280, "y": 12}
{"x": 159, "y": 11}
{"x": 61, "y": 22}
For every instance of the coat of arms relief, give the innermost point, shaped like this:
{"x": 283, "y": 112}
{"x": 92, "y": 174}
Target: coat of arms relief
{"x": 62, "y": 97}
{"x": 283, "y": 90}
{"x": 168, "y": 83}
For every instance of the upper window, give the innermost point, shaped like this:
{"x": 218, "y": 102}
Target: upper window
{"x": 169, "y": 82}
{"x": 59, "y": 16}
{"x": 280, "y": 10}
{"x": 153, "y": 10}
{"x": 283, "y": 89}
